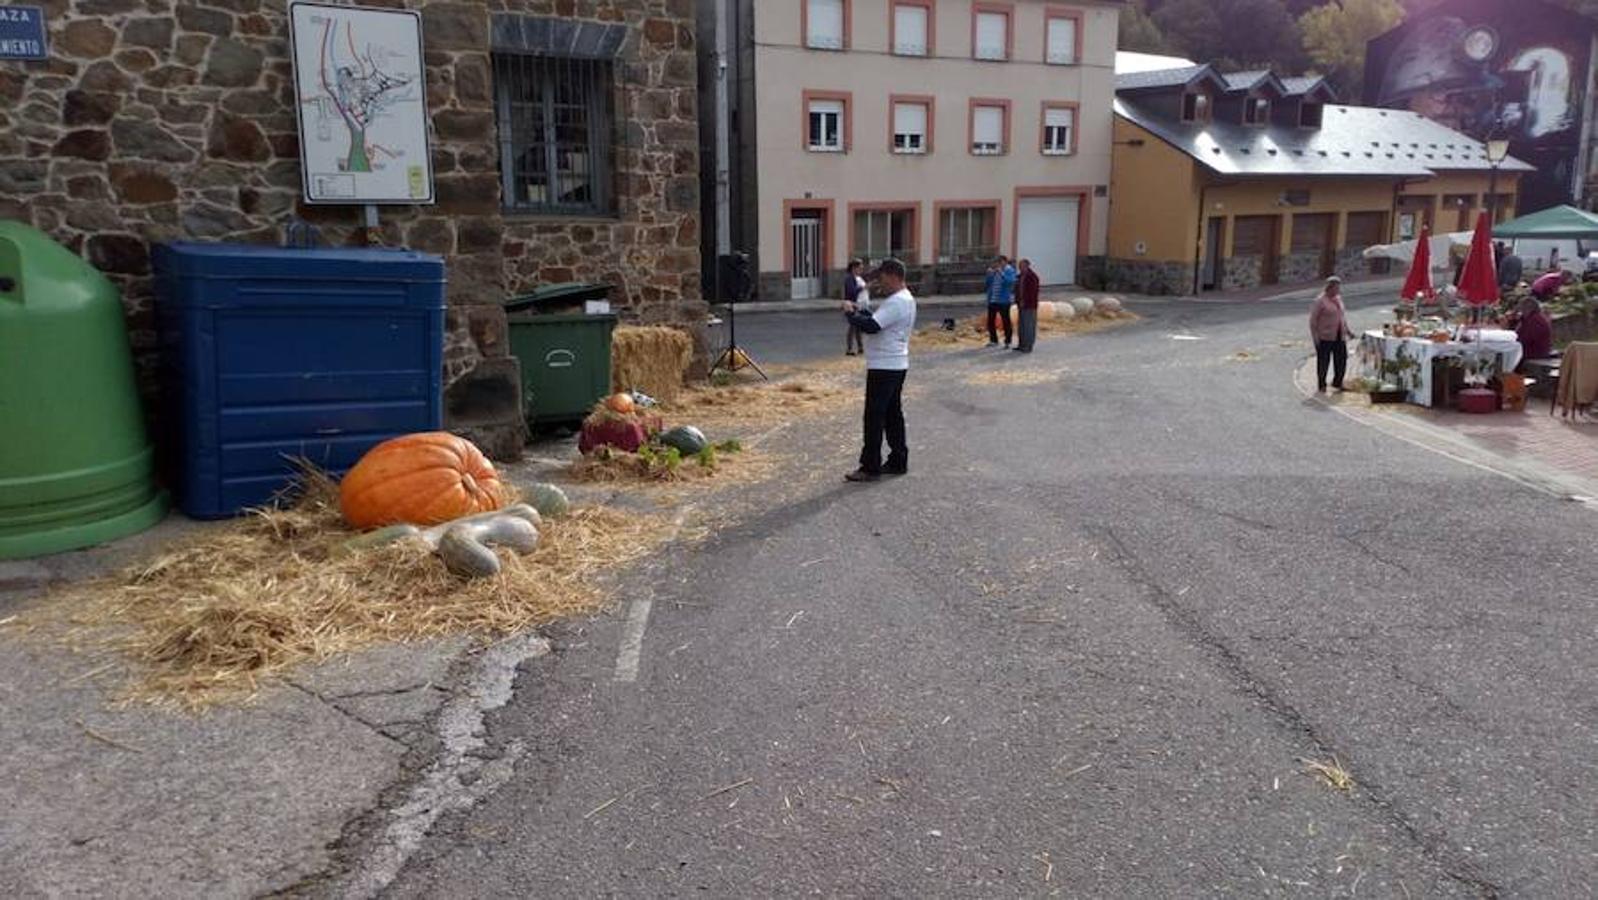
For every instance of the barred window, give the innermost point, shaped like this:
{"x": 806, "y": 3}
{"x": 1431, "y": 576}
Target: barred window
{"x": 555, "y": 121}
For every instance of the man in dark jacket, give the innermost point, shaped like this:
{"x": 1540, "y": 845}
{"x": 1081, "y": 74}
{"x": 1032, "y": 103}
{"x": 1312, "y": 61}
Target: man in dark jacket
{"x": 1510, "y": 269}
{"x": 1028, "y": 287}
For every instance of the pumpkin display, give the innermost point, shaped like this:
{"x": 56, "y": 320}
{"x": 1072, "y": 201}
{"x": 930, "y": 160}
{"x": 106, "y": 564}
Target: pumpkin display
{"x": 1108, "y": 305}
{"x": 686, "y": 439}
{"x": 1045, "y": 310}
{"x": 1082, "y": 305}
{"x": 1064, "y": 310}
{"x": 621, "y": 402}
{"x": 419, "y": 479}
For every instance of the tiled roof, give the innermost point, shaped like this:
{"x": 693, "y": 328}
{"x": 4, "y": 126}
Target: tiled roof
{"x": 1302, "y": 84}
{"x": 1242, "y": 81}
{"x": 1352, "y": 141}
{"x": 1162, "y": 78}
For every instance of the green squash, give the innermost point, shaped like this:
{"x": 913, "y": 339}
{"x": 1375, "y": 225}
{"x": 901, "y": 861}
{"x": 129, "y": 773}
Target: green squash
{"x": 549, "y": 500}
{"x": 687, "y": 439}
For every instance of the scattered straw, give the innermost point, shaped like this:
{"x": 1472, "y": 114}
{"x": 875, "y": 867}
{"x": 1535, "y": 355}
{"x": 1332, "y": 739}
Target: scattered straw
{"x": 759, "y": 405}
{"x": 615, "y": 466}
{"x": 206, "y": 621}
{"x": 1332, "y": 774}
{"x": 973, "y": 331}
{"x": 651, "y": 359}
{"x": 1243, "y": 356}
{"x": 1016, "y": 377}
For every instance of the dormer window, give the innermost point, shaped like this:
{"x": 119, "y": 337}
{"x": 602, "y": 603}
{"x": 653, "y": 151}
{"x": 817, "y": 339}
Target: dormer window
{"x": 1309, "y": 114}
{"x": 1196, "y": 107}
{"x": 1256, "y": 111}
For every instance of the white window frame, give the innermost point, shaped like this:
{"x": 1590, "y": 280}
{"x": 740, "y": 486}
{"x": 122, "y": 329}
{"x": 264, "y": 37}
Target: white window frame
{"x": 901, "y": 47}
{"x": 813, "y": 22}
{"x": 918, "y": 147}
{"x": 838, "y": 109}
{"x": 966, "y": 220}
{"x": 987, "y": 148}
{"x": 984, "y": 52}
{"x": 1257, "y": 111}
{"x": 1067, "y": 57}
{"x": 881, "y": 221}
{"x": 1201, "y": 107}
{"x": 1051, "y": 146}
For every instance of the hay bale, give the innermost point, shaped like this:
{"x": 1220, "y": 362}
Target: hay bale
{"x": 650, "y": 358}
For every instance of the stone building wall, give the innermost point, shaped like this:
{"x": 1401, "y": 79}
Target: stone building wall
{"x": 157, "y": 120}
{"x": 1142, "y": 276}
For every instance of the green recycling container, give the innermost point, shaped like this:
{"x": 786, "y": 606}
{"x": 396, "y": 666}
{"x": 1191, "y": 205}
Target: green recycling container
{"x": 75, "y": 466}
{"x": 565, "y": 362}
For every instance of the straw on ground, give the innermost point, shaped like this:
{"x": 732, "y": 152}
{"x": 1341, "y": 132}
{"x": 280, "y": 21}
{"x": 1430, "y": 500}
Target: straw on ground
{"x": 1330, "y": 773}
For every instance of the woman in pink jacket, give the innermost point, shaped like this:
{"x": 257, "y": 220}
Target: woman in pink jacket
{"x": 1328, "y": 327}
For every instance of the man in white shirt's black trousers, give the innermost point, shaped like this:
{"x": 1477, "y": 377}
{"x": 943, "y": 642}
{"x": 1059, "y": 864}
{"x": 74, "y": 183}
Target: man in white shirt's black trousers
{"x": 887, "y": 332}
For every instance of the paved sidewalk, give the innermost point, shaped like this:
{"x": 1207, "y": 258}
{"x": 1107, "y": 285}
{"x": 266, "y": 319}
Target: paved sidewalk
{"x": 1551, "y": 453}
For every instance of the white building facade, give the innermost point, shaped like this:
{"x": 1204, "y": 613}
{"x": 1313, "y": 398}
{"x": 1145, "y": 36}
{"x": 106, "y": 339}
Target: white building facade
{"x": 941, "y": 132}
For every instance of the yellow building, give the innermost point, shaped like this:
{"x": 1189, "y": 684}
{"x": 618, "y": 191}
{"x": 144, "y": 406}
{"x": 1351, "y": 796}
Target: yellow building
{"x": 1228, "y": 182}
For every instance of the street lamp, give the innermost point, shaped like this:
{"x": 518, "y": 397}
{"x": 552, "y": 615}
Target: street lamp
{"x": 1497, "y": 151}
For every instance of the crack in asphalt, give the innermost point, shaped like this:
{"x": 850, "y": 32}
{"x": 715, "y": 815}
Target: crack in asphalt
{"x": 330, "y": 704}
{"x": 1435, "y": 846}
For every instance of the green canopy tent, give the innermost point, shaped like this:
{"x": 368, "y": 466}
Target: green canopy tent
{"x": 1559, "y": 222}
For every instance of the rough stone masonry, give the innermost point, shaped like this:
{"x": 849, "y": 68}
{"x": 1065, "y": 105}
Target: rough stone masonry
{"x": 157, "y": 120}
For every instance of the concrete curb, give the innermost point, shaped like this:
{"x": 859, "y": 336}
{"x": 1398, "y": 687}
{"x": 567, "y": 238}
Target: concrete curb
{"x": 1442, "y": 441}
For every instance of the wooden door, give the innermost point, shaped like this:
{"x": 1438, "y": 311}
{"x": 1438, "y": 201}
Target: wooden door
{"x": 1257, "y": 236}
{"x": 1315, "y": 233}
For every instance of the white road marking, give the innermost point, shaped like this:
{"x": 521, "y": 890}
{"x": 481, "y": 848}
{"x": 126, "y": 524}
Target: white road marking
{"x": 632, "y": 638}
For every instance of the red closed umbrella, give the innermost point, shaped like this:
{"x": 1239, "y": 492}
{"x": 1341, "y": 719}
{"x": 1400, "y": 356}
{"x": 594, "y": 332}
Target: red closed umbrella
{"x": 1418, "y": 283}
{"x": 1478, "y": 283}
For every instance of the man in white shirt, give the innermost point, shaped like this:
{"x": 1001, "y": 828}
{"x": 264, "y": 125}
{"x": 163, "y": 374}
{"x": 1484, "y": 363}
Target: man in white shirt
{"x": 887, "y": 334}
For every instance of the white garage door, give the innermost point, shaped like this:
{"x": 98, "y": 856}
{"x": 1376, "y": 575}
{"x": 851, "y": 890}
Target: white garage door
{"x": 1046, "y": 234}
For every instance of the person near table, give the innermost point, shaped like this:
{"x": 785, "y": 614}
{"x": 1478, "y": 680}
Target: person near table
{"x": 1534, "y": 330}
{"x": 887, "y": 334}
{"x": 1000, "y": 288}
{"x": 1510, "y": 269}
{"x": 1028, "y": 289}
{"x": 856, "y": 292}
{"x": 1549, "y": 283}
{"x": 1328, "y": 327}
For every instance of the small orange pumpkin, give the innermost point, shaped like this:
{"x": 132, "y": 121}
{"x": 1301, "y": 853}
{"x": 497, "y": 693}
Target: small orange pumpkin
{"x": 419, "y": 479}
{"x": 620, "y": 403}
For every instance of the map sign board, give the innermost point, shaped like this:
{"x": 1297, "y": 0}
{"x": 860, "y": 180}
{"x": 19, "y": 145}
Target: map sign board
{"x": 362, "y": 104}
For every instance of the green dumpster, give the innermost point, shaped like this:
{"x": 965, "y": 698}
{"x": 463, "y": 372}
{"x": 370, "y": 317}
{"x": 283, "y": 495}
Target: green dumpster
{"x": 76, "y": 468}
{"x": 565, "y": 362}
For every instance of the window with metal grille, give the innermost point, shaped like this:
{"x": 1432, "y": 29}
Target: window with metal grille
{"x": 881, "y": 233}
{"x": 909, "y": 128}
{"x": 1058, "y": 124}
{"x": 987, "y": 130}
{"x": 967, "y": 234}
{"x": 555, "y": 121}
{"x": 826, "y": 126}
{"x": 909, "y": 30}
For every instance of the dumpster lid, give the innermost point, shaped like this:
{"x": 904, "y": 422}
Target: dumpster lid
{"x": 204, "y": 259}
{"x": 556, "y": 295}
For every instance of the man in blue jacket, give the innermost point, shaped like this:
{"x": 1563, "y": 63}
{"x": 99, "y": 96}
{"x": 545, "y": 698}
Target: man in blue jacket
{"x": 1000, "y": 285}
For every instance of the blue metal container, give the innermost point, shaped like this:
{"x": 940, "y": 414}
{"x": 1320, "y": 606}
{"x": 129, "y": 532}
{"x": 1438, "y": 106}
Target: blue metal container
{"x": 273, "y": 354}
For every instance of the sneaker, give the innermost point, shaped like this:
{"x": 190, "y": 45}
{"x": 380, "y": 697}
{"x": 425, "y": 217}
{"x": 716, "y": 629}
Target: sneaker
{"x": 861, "y": 476}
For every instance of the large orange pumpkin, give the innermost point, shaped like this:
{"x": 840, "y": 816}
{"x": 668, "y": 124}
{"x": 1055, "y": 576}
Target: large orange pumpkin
{"x": 419, "y": 479}
{"x": 620, "y": 403}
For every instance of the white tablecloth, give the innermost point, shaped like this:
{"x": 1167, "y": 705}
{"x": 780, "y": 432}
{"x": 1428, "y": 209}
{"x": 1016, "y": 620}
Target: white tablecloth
{"x": 1376, "y": 346}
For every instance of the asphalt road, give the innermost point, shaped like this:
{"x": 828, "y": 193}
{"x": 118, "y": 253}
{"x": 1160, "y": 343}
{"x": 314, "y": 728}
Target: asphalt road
{"x": 1084, "y": 649}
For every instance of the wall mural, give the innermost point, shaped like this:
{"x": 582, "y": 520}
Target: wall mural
{"x": 1463, "y": 62}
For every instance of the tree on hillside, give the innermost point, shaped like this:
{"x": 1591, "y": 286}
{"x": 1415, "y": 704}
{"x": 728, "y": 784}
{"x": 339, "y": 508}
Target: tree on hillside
{"x": 1139, "y": 33}
{"x": 1335, "y": 38}
{"x": 1234, "y": 34}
